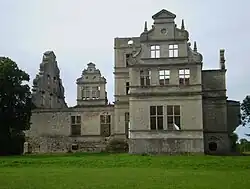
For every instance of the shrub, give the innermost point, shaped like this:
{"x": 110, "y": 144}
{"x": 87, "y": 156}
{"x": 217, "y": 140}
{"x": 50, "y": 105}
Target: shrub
{"x": 117, "y": 145}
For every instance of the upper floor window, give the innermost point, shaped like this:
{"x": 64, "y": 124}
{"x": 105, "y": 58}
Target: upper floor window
{"x": 95, "y": 92}
{"x": 184, "y": 76}
{"x": 155, "y": 51}
{"x": 164, "y": 76}
{"x": 156, "y": 117}
{"x": 173, "y": 117}
{"x": 173, "y": 50}
{"x": 86, "y": 92}
{"x": 145, "y": 77}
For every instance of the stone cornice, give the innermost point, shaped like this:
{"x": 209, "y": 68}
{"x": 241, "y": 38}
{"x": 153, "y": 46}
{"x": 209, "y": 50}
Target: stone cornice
{"x": 165, "y": 94}
{"x": 166, "y": 130}
{"x": 164, "y": 64}
{"x": 91, "y": 82}
{"x": 165, "y": 86}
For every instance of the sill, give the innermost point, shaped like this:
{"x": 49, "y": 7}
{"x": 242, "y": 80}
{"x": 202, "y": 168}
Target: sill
{"x": 165, "y": 130}
{"x": 75, "y": 135}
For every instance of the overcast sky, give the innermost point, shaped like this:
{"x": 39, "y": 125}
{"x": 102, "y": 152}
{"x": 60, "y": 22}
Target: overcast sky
{"x": 80, "y": 31}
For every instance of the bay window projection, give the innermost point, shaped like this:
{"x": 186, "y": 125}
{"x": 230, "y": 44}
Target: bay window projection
{"x": 173, "y": 51}
{"x": 156, "y": 117}
{"x": 155, "y": 51}
{"x": 145, "y": 77}
{"x": 164, "y": 77}
{"x": 184, "y": 76}
{"x": 173, "y": 118}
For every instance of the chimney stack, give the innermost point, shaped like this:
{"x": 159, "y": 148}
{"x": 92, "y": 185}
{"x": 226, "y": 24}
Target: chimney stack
{"x": 222, "y": 59}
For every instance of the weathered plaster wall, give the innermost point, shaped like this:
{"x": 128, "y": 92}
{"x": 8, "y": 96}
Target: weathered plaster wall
{"x": 191, "y": 111}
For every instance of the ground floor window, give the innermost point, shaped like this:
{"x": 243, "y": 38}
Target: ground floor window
{"x": 173, "y": 117}
{"x": 156, "y": 117}
{"x": 105, "y": 123}
{"x": 75, "y": 125}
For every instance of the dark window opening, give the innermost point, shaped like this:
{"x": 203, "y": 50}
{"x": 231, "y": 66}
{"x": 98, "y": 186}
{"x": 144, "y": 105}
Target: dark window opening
{"x": 212, "y": 146}
{"x": 156, "y": 117}
{"x": 127, "y": 87}
{"x": 75, "y": 147}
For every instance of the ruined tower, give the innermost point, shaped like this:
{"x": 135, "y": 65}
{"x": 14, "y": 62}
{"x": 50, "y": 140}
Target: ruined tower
{"x": 48, "y": 91}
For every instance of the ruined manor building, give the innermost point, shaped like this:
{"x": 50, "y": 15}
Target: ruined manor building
{"x": 164, "y": 101}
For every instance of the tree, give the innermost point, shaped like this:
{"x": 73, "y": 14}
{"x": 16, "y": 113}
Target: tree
{"x": 15, "y": 107}
{"x": 245, "y": 110}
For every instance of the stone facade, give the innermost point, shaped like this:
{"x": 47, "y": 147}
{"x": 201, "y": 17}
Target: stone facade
{"x": 164, "y": 101}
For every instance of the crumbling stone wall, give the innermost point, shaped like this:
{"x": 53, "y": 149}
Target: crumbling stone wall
{"x": 51, "y": 129}
{"x": 63, "y": 144}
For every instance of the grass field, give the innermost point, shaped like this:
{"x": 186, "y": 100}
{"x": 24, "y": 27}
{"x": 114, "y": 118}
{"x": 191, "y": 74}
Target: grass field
{"x": 122, "y": 171}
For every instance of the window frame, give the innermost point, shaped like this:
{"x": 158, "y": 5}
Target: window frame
{"x": 173, "y": 117}
{"x": 184, "y": 76}
{"x": 90, "y": 92}
{"x": 156, "y": 117}
{"x": 165, "y": 74}
{"x": 155, "y": 51}
{"x": 173, "y": 50}
{"x": 106, "y": 122}
{"x": 145, "y": 77}
{"x": 75, "y": 123}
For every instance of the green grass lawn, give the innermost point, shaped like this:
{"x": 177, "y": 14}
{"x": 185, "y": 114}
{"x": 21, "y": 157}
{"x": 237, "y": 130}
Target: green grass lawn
{"x": 124, "y": 171}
